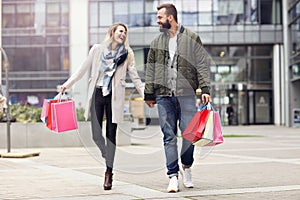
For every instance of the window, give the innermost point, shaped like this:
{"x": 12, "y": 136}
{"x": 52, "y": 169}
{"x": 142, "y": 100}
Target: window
{"x": 136, "y": 13}
{"x": 18, "y": 16}
{"x": 150, "y": 13}
{"x": 93, "y": 14}
{"x": 121, "y": 12}
{"x": 251, "y": 12}
{"x": 44, "y": 28}
{"x": 105, "y": 13}
{"x": 261, "y": 71}
{"x": 189, "y": 12}
{"x": 205, "y": 12}
{"x": 25, "y": 17}
{"x": 221, "y": 12}
{"x": 53, "y": 15}
{"x": 270, "y": 11}
{"x": 236, "y": 12}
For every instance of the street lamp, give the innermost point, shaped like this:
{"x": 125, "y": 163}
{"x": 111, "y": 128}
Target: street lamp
{"x": 6, "y": 67}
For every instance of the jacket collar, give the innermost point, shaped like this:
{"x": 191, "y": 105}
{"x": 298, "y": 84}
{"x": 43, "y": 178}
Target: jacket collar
{"x": 180, "y": 30}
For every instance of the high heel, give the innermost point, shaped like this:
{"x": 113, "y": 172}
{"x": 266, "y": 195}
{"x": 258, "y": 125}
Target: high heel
{"x": 108, "y": 181}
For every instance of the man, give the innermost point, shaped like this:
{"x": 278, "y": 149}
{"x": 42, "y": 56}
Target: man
{"x": 230, "y": 113}
{"x": 177, "y": 66}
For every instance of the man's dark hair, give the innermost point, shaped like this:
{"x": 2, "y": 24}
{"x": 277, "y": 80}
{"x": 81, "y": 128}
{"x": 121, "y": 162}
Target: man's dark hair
{"x": 170, "y": 10}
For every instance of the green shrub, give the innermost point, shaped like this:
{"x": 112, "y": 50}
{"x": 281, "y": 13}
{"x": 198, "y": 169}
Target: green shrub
{"x": 26, "y": 113}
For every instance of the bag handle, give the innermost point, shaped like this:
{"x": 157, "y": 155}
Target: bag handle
{"x": 207, "y": 106}
{"x": 61, "y": 96}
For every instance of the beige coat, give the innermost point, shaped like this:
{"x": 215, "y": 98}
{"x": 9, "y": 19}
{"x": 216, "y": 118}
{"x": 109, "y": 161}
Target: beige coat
{"x": 92, "y": 63}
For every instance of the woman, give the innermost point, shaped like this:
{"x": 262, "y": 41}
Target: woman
{"x": 108, "y": 63}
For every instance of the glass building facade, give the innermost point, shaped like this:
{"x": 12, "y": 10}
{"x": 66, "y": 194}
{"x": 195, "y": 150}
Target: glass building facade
{"x": 294, "y": 59}
{"x": 239, "y": 35}
{"x": 244, "y": 38}
{"x": 35, "y": 36}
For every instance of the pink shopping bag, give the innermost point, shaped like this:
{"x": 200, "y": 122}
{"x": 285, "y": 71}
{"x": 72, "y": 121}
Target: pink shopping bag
{"x": 218, "y": 136}
{"x": 45, "y": 108}
{"x": 63, "y": 116}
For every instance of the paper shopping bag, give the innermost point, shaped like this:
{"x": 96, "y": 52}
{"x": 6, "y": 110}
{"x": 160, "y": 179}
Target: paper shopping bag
{"x": 45, "y": 109}
{"x": 49, "y": 122}
{"x": 195, "y": 128}
{"x": 63, "y": 116}
{"x": 218, "y": 136}
{"x": 208, "y": 135}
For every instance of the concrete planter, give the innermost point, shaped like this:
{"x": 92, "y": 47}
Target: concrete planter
{"x": 32, "y": 135}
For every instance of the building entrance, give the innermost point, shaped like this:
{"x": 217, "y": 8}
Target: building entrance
{"x": 260, "y": 107}
{"x": 239, "y": 106}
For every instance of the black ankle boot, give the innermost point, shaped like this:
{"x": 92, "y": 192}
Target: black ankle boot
{"x": 108, "y": 181}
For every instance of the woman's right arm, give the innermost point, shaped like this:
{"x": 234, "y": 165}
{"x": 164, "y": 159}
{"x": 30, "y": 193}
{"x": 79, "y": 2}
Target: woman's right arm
{"x": 86, "y": 65}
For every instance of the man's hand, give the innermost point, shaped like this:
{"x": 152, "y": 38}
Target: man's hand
{"x": 150, "y": 103}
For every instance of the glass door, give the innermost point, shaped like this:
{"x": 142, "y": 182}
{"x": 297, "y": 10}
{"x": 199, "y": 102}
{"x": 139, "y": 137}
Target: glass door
{"x": 260, "y": 107}
{"x": 231, "y": 101}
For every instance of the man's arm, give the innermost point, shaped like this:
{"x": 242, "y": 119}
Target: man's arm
{"x": 203, "y": 71}
{"x": 149, "y": 95}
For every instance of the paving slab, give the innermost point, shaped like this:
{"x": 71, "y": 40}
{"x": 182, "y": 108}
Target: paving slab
{"x": 264, "y": 166}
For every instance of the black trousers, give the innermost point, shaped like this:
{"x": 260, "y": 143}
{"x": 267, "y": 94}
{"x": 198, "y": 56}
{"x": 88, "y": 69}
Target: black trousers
{"x": 100, "y": 108}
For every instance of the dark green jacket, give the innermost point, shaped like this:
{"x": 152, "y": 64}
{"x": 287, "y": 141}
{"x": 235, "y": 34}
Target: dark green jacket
{"x": 192, "y": 65}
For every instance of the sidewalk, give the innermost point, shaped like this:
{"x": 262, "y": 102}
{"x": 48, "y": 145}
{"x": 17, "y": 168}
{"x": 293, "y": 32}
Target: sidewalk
{"x": 264, "y": 164}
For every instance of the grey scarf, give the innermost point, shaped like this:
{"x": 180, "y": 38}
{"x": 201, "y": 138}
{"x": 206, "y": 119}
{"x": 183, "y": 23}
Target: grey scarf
{"x": 108, "y": 65}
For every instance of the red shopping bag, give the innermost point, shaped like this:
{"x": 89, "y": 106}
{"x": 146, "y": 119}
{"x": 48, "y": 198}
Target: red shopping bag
{"x": 195, "y": 128}
{"x": 63, "y": 116}
{"x": 49, "y": 123}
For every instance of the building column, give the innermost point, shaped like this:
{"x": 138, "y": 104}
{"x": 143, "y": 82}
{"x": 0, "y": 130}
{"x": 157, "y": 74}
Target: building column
{"x": 79, "y": 47}
{"x": 278, "y": 92}
{"x": 286, "y": 46}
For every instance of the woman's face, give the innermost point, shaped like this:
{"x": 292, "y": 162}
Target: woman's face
{"x": 119, "y": 35}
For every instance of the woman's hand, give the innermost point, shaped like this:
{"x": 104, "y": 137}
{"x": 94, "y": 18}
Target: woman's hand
{"x": 62, "y": 89}
{"x": 150, "y": 103}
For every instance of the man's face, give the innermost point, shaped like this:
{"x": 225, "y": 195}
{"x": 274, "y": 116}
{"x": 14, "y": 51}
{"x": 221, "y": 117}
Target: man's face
{"x": 162, "y": 20}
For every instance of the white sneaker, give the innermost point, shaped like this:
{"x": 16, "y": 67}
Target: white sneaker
{"x": 173, "y": 184}
{"x": 187, "y": 177}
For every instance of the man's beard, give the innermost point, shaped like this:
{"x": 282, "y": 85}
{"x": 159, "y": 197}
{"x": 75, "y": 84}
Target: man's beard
{"x": 165, "y": 26}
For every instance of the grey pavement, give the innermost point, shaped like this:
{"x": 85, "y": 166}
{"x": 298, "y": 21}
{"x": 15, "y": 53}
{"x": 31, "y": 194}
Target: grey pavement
{"x": 255, "y": 162}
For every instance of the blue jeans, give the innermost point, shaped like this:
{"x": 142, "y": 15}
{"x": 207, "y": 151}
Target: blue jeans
{"x": 171, "y": 111}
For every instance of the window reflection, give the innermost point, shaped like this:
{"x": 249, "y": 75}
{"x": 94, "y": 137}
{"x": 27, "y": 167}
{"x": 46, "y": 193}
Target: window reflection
{"x": 121, "y": 12}
{"x": 93, "y": 19}
{"x": 38, "y": 28}
{"x": 296, "y": 70}
{"x": 205, "y": 12}
{"x": 105, "y": 13}
{"x": 150, "y": 13}
{"x": 190, "y": 12}
{"x": 136, "y": 13}
{"x": 251, "y": 64}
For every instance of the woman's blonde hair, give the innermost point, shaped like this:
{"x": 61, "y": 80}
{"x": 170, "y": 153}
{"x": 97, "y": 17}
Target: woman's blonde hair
{"x": 109, "y": 35}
